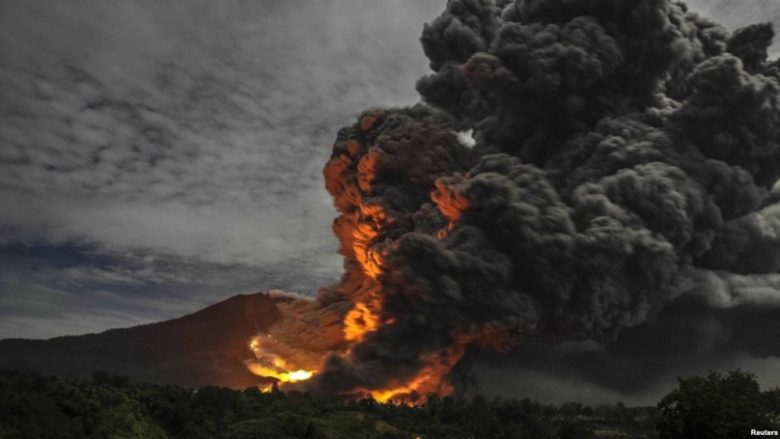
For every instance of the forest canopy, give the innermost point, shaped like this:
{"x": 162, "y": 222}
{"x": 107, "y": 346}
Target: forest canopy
{"x": 34, "y": 406}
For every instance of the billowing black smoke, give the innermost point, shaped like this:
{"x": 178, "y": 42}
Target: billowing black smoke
{"x": 620, "y": 189}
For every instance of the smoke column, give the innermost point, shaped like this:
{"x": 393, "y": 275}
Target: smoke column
{"x": 622, "y": 180}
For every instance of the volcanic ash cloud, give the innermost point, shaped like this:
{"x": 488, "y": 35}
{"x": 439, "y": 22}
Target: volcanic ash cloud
{"x": 625, "y": 160}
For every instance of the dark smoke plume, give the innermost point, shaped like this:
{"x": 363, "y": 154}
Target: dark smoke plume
{"x": 621, "y": 189}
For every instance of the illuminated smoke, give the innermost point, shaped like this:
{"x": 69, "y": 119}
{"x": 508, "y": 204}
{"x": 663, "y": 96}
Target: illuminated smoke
{"x": 625, "y": 158}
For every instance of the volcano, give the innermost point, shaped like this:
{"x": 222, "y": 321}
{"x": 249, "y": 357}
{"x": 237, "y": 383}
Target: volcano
{"x": 207, "y": 347}
{"x": 621, "y": 190}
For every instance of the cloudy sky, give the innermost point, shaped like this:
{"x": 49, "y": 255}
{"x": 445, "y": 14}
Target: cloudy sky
{"x": 159, "y": 157}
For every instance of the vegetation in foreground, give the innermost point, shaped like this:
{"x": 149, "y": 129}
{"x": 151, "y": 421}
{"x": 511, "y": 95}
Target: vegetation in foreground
{"x": 33, "y": 406}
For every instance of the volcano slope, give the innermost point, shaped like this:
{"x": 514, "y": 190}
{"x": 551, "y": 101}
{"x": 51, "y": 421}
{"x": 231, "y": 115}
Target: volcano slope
{"x": 207, "y": 347}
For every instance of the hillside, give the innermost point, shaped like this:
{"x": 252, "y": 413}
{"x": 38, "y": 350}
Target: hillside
{"x": 203, "y": 348}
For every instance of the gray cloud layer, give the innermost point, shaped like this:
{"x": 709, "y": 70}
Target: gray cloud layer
{"x": 194, "y": 131}
{"x": 189, "y": 130}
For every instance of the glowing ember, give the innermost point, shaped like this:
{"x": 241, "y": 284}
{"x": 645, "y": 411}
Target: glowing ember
{"x": 430, "y": 379}
{"x": 283, "y": 376}
{"x": 359, "y": 320}
{"x": 270, "y": 365}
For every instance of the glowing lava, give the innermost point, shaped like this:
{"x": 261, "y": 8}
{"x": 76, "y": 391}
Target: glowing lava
{"x": 431, "y": 379}
{"x": 270, "y": 365}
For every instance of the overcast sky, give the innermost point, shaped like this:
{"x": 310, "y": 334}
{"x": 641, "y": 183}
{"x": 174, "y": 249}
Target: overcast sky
{"x": 157, "y": 157}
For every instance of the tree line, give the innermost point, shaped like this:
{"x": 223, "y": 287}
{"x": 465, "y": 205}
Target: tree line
{"x": 35, "y": 406}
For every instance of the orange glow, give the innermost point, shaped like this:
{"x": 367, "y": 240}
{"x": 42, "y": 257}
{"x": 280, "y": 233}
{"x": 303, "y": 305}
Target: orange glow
{"x": 449, "y": 201}
{"x": 369, "y": 120}
{"x": 283, "y": 376}
{"x": 270, "y": 365}
{"x": 364, "y": 163}
{"x": 358, "y": 321}
{"x": 430, "y": 379}
{"x": 367, "y": 168}
{"x": 369, "y": 258}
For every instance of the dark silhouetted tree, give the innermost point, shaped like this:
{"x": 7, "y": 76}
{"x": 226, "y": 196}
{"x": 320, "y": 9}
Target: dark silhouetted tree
{"x": 715, "y": 406}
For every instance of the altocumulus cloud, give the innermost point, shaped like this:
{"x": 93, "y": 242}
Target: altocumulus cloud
{"x": 157, "y": 157}
{"x": 181, "y": 143}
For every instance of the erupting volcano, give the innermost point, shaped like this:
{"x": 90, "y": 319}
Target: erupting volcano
{"x": 625, "y": 160}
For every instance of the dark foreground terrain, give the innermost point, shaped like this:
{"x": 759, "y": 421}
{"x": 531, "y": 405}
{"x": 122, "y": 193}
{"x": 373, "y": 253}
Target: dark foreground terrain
{"x": 34, "y": 406}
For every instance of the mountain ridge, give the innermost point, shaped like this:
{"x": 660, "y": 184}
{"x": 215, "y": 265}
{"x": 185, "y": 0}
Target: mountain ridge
{"x": 206, "y": 347}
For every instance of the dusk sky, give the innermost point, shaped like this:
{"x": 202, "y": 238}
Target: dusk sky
{"x": 157, "y": 158}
